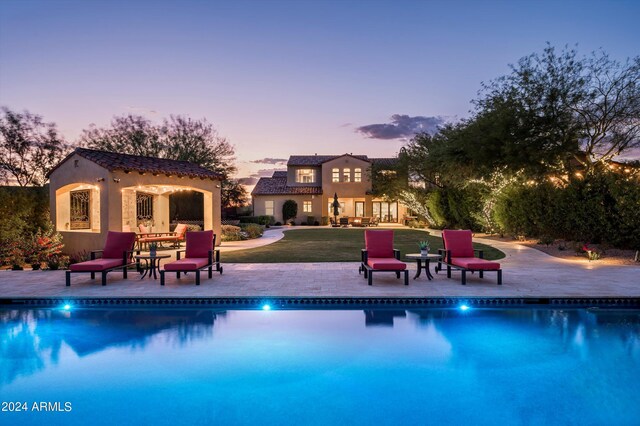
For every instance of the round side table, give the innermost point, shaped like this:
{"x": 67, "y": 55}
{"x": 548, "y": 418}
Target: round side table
{"x": 423, "y": 260}
{"x": 151, "y": 264}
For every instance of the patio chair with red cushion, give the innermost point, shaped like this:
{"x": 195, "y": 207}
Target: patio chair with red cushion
{"x": 458, "y": 253}
{"x": 117, "y": 254}
{"x": 380, "y": 256}
{"x": 199, "y": 254}
{"x": 178, "y": 235}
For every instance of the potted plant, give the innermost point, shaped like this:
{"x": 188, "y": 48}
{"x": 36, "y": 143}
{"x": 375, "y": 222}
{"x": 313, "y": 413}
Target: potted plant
{"x": 153, "y": 249}
{"x": 424, "y": 247}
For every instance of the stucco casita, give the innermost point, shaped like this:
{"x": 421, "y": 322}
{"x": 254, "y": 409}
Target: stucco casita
{"x": 113, "y": 180}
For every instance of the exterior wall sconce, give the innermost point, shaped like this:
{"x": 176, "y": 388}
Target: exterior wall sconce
{"x": 116, "y": 180}
{"x": 100, "y": 180}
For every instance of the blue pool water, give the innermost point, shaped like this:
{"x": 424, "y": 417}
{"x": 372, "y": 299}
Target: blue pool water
{"x": 171, "y": 366}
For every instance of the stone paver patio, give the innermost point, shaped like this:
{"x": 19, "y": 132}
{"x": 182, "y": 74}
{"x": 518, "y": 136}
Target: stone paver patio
{"x": 527, "y": 273}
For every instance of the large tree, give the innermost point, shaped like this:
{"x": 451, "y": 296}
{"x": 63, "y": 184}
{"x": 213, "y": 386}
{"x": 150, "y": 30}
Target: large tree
{"x": 177, "y": 138}
{"x": 568, "y": 107}
{"x": 29, "y": 148}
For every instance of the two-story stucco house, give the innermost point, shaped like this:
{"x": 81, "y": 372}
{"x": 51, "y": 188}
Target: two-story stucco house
{"x": 312, "y": 180}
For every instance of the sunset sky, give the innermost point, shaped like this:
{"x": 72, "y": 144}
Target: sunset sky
{"x": 285, "y": 77}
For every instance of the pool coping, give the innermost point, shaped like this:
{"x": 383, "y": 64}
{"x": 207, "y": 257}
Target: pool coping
{"x": 283, "y": 303}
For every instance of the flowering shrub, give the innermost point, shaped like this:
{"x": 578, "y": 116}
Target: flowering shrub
{"x": 592, "y": 253}
{"x": 39, "y": 247}
{"x": 14, "y": 255}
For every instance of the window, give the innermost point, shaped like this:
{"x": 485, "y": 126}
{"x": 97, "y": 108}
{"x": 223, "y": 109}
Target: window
{"x": 80, "y": 209}
{"x": 359, "y": 208}
{"x": 385, "y": 212}
{"x": 268, "y": 208}
{"x": 357, "y": 175}
{"x": 306, "y": 206}
{"x": 305, "y": 176}
{"x": 335, "y": 175}
{"x": 346, "y": 175}
{"x": 144, "y": 207}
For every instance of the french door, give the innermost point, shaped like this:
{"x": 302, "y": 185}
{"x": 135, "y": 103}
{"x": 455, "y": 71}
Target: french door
{"x": 385, "y": 212}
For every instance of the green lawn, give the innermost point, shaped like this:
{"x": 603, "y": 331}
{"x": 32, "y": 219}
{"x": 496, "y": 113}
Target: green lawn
{"x": 335, "y": 245}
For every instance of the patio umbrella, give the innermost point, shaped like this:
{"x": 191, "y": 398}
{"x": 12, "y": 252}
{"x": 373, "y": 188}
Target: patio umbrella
{"x": 336, "y": 206}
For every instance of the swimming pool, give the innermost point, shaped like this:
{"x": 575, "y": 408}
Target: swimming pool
{"x": 376, "y": 366}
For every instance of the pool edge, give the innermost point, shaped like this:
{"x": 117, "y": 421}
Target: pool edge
{"x": 276, "y": 302}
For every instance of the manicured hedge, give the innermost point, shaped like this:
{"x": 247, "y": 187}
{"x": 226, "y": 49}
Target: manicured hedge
{"x": 598, "y": 209}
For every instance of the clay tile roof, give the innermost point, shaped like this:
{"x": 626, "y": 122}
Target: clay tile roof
{"x": 317, "y": 160}
{"x": 278, "y": 186}
{"x": 138, "y": 163}
{"x": 384, "y": 162}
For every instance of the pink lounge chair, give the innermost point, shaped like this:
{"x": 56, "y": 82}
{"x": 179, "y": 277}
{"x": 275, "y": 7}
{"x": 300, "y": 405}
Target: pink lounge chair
{"x": 380, "y": 256}
{"x": 178, "y": 235}
{"x": 199, "y": 255}
{"x": 117, "y": 254}
{"x": 458, "y": 253}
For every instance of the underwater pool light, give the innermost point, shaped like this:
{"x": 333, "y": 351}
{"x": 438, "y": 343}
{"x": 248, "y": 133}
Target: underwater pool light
{"x": 266, "y": 307}
{"x": 464, "y": 307}
{"x": 66, "y": 307}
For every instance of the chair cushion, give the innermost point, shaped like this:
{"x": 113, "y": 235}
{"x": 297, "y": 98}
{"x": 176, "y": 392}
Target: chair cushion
{"x": 458, "y": 242}
{"x": 187, "y": 264}
{"x": 199, "y": 244}
{"x": 386, "y": 264}
{"x": 379, "y": 243}
{"x": 475, "y": 263}
{"x": 156, "y": 239}
{"x": 117, "y": 243}
{"x": 180, "y": 230}
{"x": 95, "y": 265}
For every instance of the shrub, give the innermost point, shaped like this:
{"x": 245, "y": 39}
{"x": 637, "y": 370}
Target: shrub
{"x": 14, "y": 256}
{"x": 310, "y": 220}
{"x": 316, "y": 223}
{"x": 58, "y": 261}
{"x": 599, "y": 209}
{"x": 289, "y": 210}
{"x": 24, "y": 211}
{"x": 278, "y": 224}
{"x": 194, "y": 228}
{"x": 325, "y": 220}
{"x": 231, "y": 233}
{"x": 252, "y": 230}
{"x": 456, "y": 207}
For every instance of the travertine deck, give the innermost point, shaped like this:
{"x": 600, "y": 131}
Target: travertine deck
{"x": 527, "y": 273}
